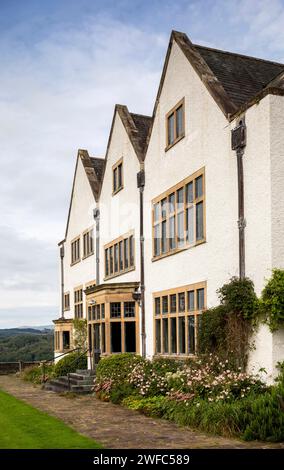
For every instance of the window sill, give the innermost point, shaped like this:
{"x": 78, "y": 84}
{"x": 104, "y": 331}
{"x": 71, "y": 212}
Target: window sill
{"x": 106, "y": 278}
{"x": 75, "y": 262}
{"x": 117, "y": 190}
{"x": 168, "y": 147}
{"x": 177, "y": 356}
{"x": 178, "y": 250}
{"x": 88, "y": 255}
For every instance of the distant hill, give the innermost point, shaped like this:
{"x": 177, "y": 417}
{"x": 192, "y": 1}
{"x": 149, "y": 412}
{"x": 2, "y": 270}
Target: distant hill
{"x": 24, "y": 330}
{"x": 41, "y": 327}
{"x": 25, "y": 344}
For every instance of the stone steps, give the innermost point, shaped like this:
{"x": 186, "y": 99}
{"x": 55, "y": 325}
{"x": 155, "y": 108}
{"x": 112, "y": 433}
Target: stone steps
{"x": 81, "y": 382}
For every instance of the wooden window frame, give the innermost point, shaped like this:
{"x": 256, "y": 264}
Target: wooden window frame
{"x": 79, "y": 302}
{"x": 106, "y": 300}
{"x": 174, "y": 213}
{"x": 88, "y": 242}
{"x": 66, "y": 305}
{"x": 116, "y": 189}
{"x": 173, "y": 112}
{"x": 179, "y": 314}
{"x": 111, "y": 273}
{"x": 73, "y": 250}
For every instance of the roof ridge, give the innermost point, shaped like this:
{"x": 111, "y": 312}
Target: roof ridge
{"x": 221, "y": 51}
{"x": 142, "y": 115}
{"x": 98, "y": 158}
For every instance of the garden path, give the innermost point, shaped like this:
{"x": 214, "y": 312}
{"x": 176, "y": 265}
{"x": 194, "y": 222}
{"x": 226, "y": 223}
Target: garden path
{"x": 116, "y": 427}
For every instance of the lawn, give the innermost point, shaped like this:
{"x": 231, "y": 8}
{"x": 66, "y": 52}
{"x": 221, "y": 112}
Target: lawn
{"x": 24, "y": 427}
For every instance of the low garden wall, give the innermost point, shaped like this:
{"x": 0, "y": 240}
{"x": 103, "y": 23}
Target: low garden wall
{"x": 13, "y": 367}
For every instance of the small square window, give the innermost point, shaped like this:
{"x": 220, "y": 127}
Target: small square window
{"x": 115, "y": 309}
{"x": 129, "y": 309}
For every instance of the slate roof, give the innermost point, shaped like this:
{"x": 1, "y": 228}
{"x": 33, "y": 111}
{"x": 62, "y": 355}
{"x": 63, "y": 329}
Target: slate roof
{"x": 143, "y": 124}
{"x": 94, "y": 168}
{"x": 241, "y": 76}
{"x": 234, "y": 81}
{"x": 98, "y": 165}
{"x": 137, "y": 127}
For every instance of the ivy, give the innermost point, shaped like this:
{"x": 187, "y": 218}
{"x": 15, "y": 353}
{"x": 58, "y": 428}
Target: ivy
{"x": 212, "y": 335}
{"x": 238, "y": 296}
{"x": 226, "y": 329}
{"x": 272, "y": 300}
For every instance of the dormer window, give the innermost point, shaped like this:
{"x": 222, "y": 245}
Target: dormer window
{"x": 175, "y": 124}
{"x": 117, "y": 176}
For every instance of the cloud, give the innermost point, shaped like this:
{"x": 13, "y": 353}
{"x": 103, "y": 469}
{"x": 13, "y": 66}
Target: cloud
{"x": 63, "y": 67}
{"x": 28, "y": 274}
{"x": 255, "y": 26}
{"x": 27, "y": 316}
{"x": 58, "y": 95}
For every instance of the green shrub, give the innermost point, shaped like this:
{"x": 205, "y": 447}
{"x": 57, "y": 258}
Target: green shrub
{"x": 70, "y": 363}
{"x": 212, "y": 333}
{"x": 238, "y": 296}
{"x": 204, "y": 394}
{"x": 34, "y": 374}
{"x": 120, "y": 391}
{"x": 253, "y": 418}
{"x": 265, "y": 418}
{"x": 151, "y": 406}
{"x": 280, "y": 378}
{"x": 163, "y": 365}
{"x": 225, "y": 330}
{"x": 117, "y": 367}
{"x": 272, "y": 300}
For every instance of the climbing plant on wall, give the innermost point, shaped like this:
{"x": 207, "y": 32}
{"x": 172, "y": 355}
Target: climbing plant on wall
{"x": 225, "y": 330}
{"x": 80, "y": 333}
{"x": 272, "y": 300}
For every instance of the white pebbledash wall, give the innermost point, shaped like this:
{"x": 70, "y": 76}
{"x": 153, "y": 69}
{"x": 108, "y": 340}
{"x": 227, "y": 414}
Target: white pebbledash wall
{"x": 207, "y": 143}
{"x": 81, "y": 218}
{"x": 264, "y": 183}
{"x": 119, "y": 214}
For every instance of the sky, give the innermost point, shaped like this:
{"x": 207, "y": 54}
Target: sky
{"x": 64, "y": 65}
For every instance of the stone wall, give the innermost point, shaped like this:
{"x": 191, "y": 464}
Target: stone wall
{"x": 13, "y": 367}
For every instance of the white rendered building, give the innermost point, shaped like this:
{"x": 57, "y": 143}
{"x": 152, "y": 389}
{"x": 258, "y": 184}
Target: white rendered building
{"x": 184, "y": 200}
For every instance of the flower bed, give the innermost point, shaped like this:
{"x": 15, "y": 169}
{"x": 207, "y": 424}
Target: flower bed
{"x": 205, "y": 393}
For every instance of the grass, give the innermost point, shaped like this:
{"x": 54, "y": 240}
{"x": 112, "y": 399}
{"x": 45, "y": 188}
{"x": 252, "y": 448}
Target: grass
{"x": 24, "y": 427}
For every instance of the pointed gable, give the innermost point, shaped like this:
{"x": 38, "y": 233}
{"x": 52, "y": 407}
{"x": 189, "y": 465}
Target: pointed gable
{"x": 94, "y": 168}
{"x": 137, "y": 127}
{"x": 233, "y": 80}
